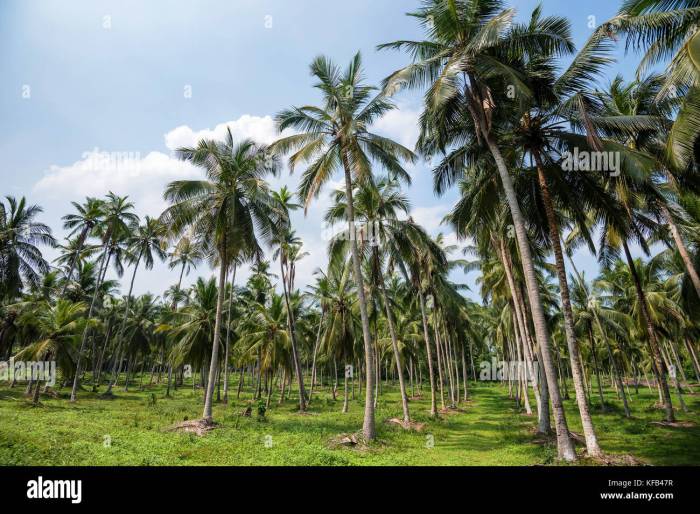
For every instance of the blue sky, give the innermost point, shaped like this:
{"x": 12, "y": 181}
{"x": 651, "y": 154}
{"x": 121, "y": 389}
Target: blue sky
{"x": 137, "y": 79}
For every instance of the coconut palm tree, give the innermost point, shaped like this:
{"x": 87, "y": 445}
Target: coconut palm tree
{"x": 58, "y": 327}
{"x": 21, "y": 261}
{"x": 146, "y": 242}
{"x": 666, "y": 31}
{"x": 469, "y": 63}
{"x": 264, "y": 333}
{"x": 384, "y": 237}
{"x": 118, "y": 216}
{"x": 186, "y": 255}
{"x": 288, "y": 251}
{"x": 82, "y": 223}
{"x": 228, "y": 212}
{"x": 336, "y": 136}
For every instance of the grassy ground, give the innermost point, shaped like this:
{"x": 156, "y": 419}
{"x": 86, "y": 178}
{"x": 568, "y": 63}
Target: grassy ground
{"x": 488, "y": 431}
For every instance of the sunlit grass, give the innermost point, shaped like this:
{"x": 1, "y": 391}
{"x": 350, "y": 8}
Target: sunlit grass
{"x": 132, "y": 429}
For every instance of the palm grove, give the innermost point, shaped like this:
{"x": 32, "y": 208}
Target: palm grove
{"x": 505, "y": 104}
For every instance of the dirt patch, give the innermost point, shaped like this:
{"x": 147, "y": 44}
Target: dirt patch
{"x": 451, "y": 410}
{"x": 674, "y": 424}
{"x": 411, "y": 425}
{"x": 195, "y": 426}
{"x": 616, "y": 460}
{"x": 355, "y": 441}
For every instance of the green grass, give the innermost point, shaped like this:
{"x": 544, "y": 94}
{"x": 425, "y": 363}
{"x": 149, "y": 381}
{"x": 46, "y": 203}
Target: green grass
{"x": 488, "y": 432}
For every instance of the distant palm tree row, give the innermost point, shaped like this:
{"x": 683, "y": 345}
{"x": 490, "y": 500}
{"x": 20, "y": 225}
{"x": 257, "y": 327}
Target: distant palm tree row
{"x": 507, "y": 105}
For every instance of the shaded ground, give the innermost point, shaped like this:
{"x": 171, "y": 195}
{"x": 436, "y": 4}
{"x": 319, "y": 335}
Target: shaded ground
{"x": 132, "y": 429}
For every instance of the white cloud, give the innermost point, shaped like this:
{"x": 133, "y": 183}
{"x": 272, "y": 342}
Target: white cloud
{"x": 124, "y": 173}
{"x": 143, "y": 179}
{"x": 260, "y": 129}
{"x": 430, "y": 217}
{"x": 401, "y": 125}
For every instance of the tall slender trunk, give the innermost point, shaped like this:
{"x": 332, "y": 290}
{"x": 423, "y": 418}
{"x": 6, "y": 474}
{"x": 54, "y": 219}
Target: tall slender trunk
{"x": 426, "y": 337}
{"x": 658, "y": 366}
{"x": 313, "y": 365}
{"x": 693, "y": 357}
{"x": 292, "y": 336}
{"x": 103, "y": 263}
{"x": 438, "y": 353}
{"x": 682, "y": 249}
{"x": 209, "y": 396}
{"x": 565, "y": 447}
{"x": 228, "y": 333}
{"x": 597, "y": 370}
{"x": 521, "y": 325}
{"x": 345, "y": 393}
{"x": 522, "y": 380}
{"x": 574, "y": 355}
{"x": 616, "y": 374}
{"x": 368, "y": 425}
{"x": 395, "y": 347}
{"x": 464, "y": 375}
{"x": 120, "y": 334}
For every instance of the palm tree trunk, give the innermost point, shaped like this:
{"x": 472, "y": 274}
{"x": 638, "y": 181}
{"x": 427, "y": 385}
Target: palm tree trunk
{"x": 313, "y": 365}
{"x": 345, "y": 397}
{"x": 104, "y": 262}
{"x": 293, "y": 338}
{"x": 616, "y": 376}
{"x": 682, "y": 249}
{"x": 522, "y": 380}
{"x": 464, "y": 375}
{"x": 209, "y": 396}
{"x": 368, "y": 425}
{"x": 658, "y": 365}
{"x": 426, "y": 337}
{"x": 574, "y": 355}
{"x": 565, "y": 446}
{"x": 694, "y": 358}
{"x": 521, "y": 325}
{"x": 395, "y": 348}
{"x": 597, "y": 369}
{"x": 120, "y": 334}
{"x": 228, "y": 332}
{"x": 439, "y": 362}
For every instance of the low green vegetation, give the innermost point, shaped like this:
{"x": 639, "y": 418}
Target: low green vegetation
{"x": 133, "y": 428}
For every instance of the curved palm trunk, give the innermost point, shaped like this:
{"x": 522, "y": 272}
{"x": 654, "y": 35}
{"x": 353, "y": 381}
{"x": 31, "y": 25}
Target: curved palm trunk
{"x": 574, "y": 356}
{"x": 368, "y": 426}
{"x": 395, "y": 347}
{"x": 565, "y": 446}
{"x": 683, "y": 250}
{"x": 98, "y": 283}
{"x": 209, "y": 396}
{"x": 521, "y": 319}
{"x": 658, "y": 366}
